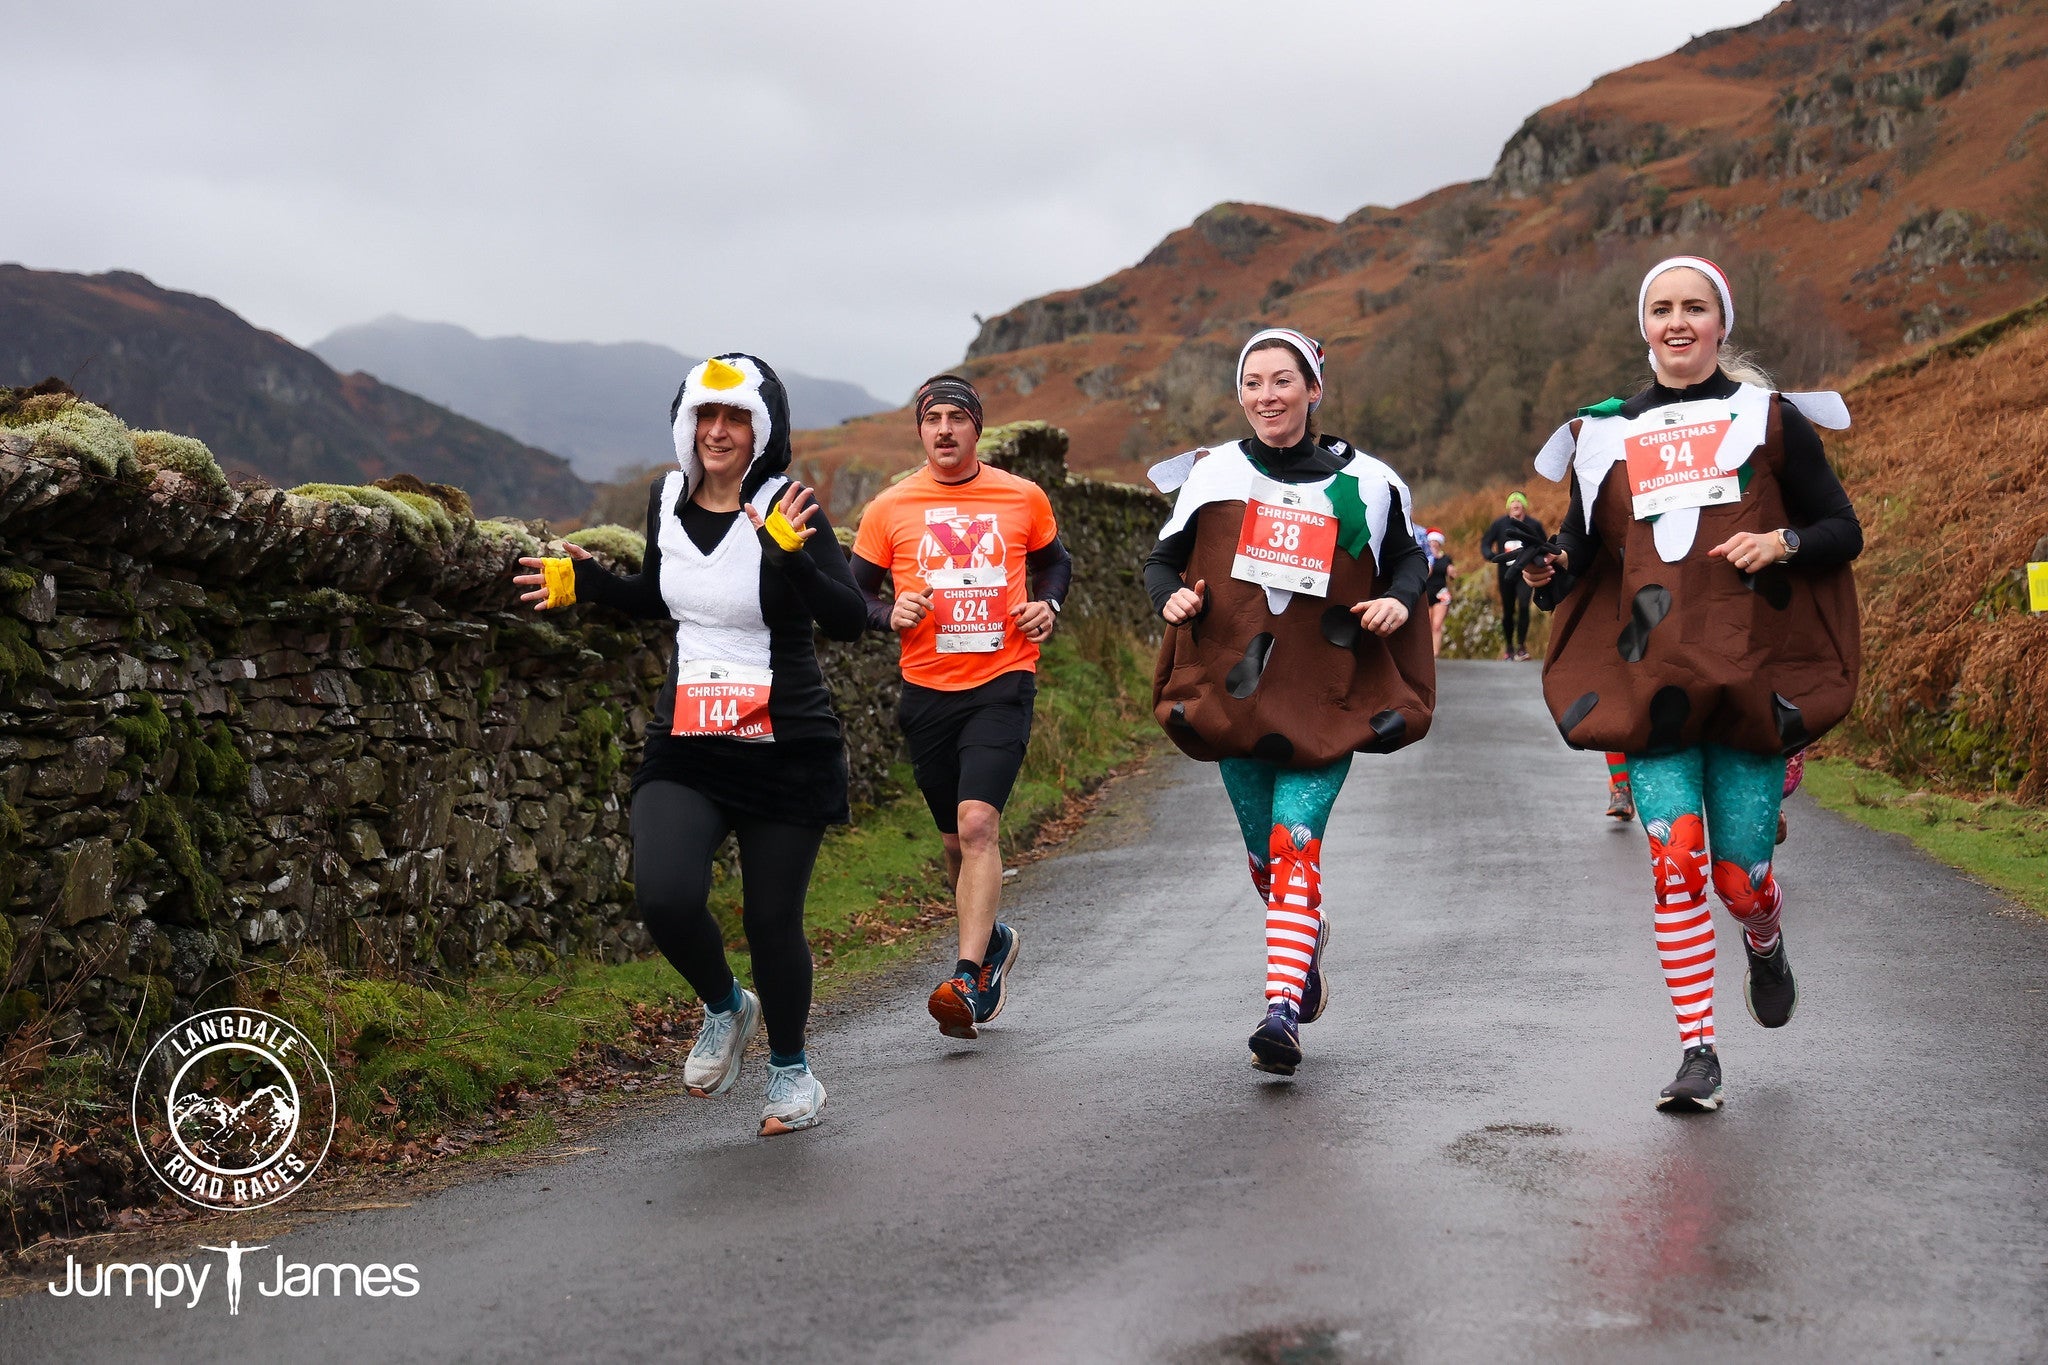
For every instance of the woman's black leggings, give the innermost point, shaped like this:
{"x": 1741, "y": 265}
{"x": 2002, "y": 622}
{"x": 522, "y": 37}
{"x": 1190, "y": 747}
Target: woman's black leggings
{"x": 676, "y": 833}
{"x": 1515, "y": 603}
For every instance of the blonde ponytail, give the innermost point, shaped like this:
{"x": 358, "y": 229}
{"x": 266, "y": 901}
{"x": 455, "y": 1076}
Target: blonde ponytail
{"x": 1744, "y": 368}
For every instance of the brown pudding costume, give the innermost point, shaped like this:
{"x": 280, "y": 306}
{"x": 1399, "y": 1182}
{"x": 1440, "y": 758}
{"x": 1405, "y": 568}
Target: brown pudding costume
{"x": 1300, "y": 689}
{"x": 1650, "y": 657}
{"x": 1274, "y": 678}
{"x": 1704, "y": 658}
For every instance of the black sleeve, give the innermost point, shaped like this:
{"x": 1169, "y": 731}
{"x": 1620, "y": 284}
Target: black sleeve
{"x": 1829, "y": 532}
{"x": 1052, "y": 571}
{"x": 1167, "y": 562}
{"x": 1579, "y": 542}
{"x": 818, "y": 575}
{"x": 635, "y": 594}
{"x": 1407, "y": 564}
{"x": 868, "y": 577}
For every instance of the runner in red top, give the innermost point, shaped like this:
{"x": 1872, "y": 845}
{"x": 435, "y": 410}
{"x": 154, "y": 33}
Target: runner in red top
{"x": 959, "y": 539}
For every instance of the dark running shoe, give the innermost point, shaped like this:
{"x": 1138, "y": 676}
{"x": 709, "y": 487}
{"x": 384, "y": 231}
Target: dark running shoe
{"x": 1315, "y": 992}
{"x": 1770, "y": 990}
{"x": 952, "y": 1004}
{"x": 1621, "y": 802}
{"x": 1276, "y": 1042}
{"x": 1697, "y": 1087}
{"x": 1781, "y": 827}
{"x": 995, "y": 973}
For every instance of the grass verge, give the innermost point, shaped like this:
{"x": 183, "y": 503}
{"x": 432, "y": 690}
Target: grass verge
{"x": 432, "y": 1068}
{"x": 1995, "y": 840}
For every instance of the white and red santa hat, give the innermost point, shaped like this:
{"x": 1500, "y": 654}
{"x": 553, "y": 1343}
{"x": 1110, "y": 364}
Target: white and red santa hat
{"x": 1714, "y": 275}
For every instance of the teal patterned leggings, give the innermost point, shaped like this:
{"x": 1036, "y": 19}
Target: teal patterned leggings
{"x": 1736, "y": 793}
{"x": 1264, "y": 796}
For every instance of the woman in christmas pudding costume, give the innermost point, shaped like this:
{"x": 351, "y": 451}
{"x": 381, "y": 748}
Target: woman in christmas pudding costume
{"x": 1706, "y": 626}
{"x": 1288, "y": 576}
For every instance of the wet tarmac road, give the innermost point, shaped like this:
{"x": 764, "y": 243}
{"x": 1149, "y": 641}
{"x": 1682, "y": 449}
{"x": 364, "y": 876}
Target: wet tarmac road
{"x": 1467, "y": 1167}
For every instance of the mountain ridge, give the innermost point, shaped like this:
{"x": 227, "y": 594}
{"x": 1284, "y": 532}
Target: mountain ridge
{"x": 1863, "y": 167}
{"x": 603, "y": 405}
{"x": 189, "y": 364}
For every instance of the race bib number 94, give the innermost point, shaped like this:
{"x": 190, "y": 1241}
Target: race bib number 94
{"x": 970, "y": 608}
{"x": 715, "y": 698}
{"x": 1673, "y": 459}
{"x": 1288, "y": 540}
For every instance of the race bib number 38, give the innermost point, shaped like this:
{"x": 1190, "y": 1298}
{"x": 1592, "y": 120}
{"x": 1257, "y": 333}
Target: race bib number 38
{"x": 970, "y": 608}
{"x": 1288, "y": 540}
{"x": 1672, "y": 459}
{"x": 722, "y": 699}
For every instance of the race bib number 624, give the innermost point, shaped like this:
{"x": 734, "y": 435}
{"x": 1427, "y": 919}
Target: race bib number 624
{"x": 970, "y": 608}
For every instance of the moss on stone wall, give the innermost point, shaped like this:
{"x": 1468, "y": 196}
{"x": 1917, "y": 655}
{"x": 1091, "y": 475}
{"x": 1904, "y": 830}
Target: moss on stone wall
{"x": 182, "y": 455}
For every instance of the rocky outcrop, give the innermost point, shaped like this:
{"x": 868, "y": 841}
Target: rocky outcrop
{"x": 1055, "y": 318}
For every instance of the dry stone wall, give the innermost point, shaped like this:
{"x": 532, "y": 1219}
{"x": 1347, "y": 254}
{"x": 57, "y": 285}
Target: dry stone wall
{"x": 242, "y": 724}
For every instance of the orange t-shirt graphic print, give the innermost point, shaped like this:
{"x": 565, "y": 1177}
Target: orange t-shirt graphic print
{"x": 964, "y": 544}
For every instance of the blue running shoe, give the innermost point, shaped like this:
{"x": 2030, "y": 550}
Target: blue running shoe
{"x": 1315, "y": 994}
{"x": 1276, "y": 1042}
{"x": 1001, "y": 959}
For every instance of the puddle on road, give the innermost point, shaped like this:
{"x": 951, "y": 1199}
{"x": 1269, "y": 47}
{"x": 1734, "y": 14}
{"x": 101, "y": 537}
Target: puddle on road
{"x": 1525, "y": 1157}
{"x": 1295, "y": 1344}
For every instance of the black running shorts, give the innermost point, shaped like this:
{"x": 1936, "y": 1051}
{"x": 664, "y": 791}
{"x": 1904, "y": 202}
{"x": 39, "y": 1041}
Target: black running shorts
{"x": 967, "y": 746}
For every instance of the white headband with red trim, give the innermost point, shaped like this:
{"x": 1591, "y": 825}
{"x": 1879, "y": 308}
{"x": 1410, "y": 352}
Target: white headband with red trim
{"x": 1705, "y": 267}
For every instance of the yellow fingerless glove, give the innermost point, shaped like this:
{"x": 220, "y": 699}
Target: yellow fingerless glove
{"x": 560, "y": 578}
{"x": 781, "y": 532}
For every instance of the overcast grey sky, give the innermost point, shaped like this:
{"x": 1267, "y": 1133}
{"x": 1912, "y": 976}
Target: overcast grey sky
{"x": 836, "y": 186}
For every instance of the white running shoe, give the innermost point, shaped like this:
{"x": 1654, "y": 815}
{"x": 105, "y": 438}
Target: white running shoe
{"x": 714, "y": 1061}
{"x": 796, "y": 1100}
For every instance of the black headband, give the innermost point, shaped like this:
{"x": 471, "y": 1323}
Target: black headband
{"x": 948, "y": 388}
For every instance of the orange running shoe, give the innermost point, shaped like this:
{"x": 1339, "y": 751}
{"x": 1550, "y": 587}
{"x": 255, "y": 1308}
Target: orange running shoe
{"x": 952, "y": 1004}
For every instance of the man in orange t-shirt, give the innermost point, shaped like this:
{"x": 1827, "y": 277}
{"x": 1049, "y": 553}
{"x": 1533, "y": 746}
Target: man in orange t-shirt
{"x": 958, "y": 539}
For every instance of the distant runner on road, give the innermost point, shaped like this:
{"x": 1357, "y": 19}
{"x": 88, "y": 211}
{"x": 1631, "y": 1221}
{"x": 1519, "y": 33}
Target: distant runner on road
{"x": 1288, "y": 576}
{"x": 958, "y": 539}
{"x": 1436, "y": 589}
{"x": 1508, "y": 536}
{"x": 743, "y": 740}
{"x": 1706, "y": 627}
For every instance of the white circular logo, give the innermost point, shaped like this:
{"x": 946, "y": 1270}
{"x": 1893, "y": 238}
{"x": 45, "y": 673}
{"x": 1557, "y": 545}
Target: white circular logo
{"x": 233, "y": 1109}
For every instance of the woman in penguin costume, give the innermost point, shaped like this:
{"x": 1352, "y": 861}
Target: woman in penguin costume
{"x": 1705, "y": 626}
{"x": 744, "y": 739}
{"x": 1288, "y": 577}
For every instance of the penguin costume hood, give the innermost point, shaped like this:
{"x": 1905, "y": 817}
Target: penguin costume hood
{"x": 733, "y": 380}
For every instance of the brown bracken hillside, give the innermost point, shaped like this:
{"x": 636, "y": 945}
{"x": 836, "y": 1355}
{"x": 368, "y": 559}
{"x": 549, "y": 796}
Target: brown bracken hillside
{"x": 1869, "y": 170}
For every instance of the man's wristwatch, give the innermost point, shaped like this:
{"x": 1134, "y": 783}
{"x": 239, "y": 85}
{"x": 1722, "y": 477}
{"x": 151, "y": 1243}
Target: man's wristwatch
{"x": 1051, "y": 603}
{"x": 1788, "y": 540}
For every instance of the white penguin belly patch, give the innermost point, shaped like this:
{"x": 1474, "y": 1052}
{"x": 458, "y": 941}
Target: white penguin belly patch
{"x": 718, "y": 698}
{"x": 1673, "y": 456}
{"x": 1288, "y": 539}
{"x": 969, "y": 607}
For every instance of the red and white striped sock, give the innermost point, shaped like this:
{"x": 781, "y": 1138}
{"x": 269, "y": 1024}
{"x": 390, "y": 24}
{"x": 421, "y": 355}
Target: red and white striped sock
{"x": 1685, "y": 927}
{"x": 1753, "y": 897}
{"x": 1294, "y": 914}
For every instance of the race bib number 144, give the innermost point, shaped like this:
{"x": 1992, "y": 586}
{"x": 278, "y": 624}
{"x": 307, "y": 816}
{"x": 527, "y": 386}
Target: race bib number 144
{"x": 723, "y": 699}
